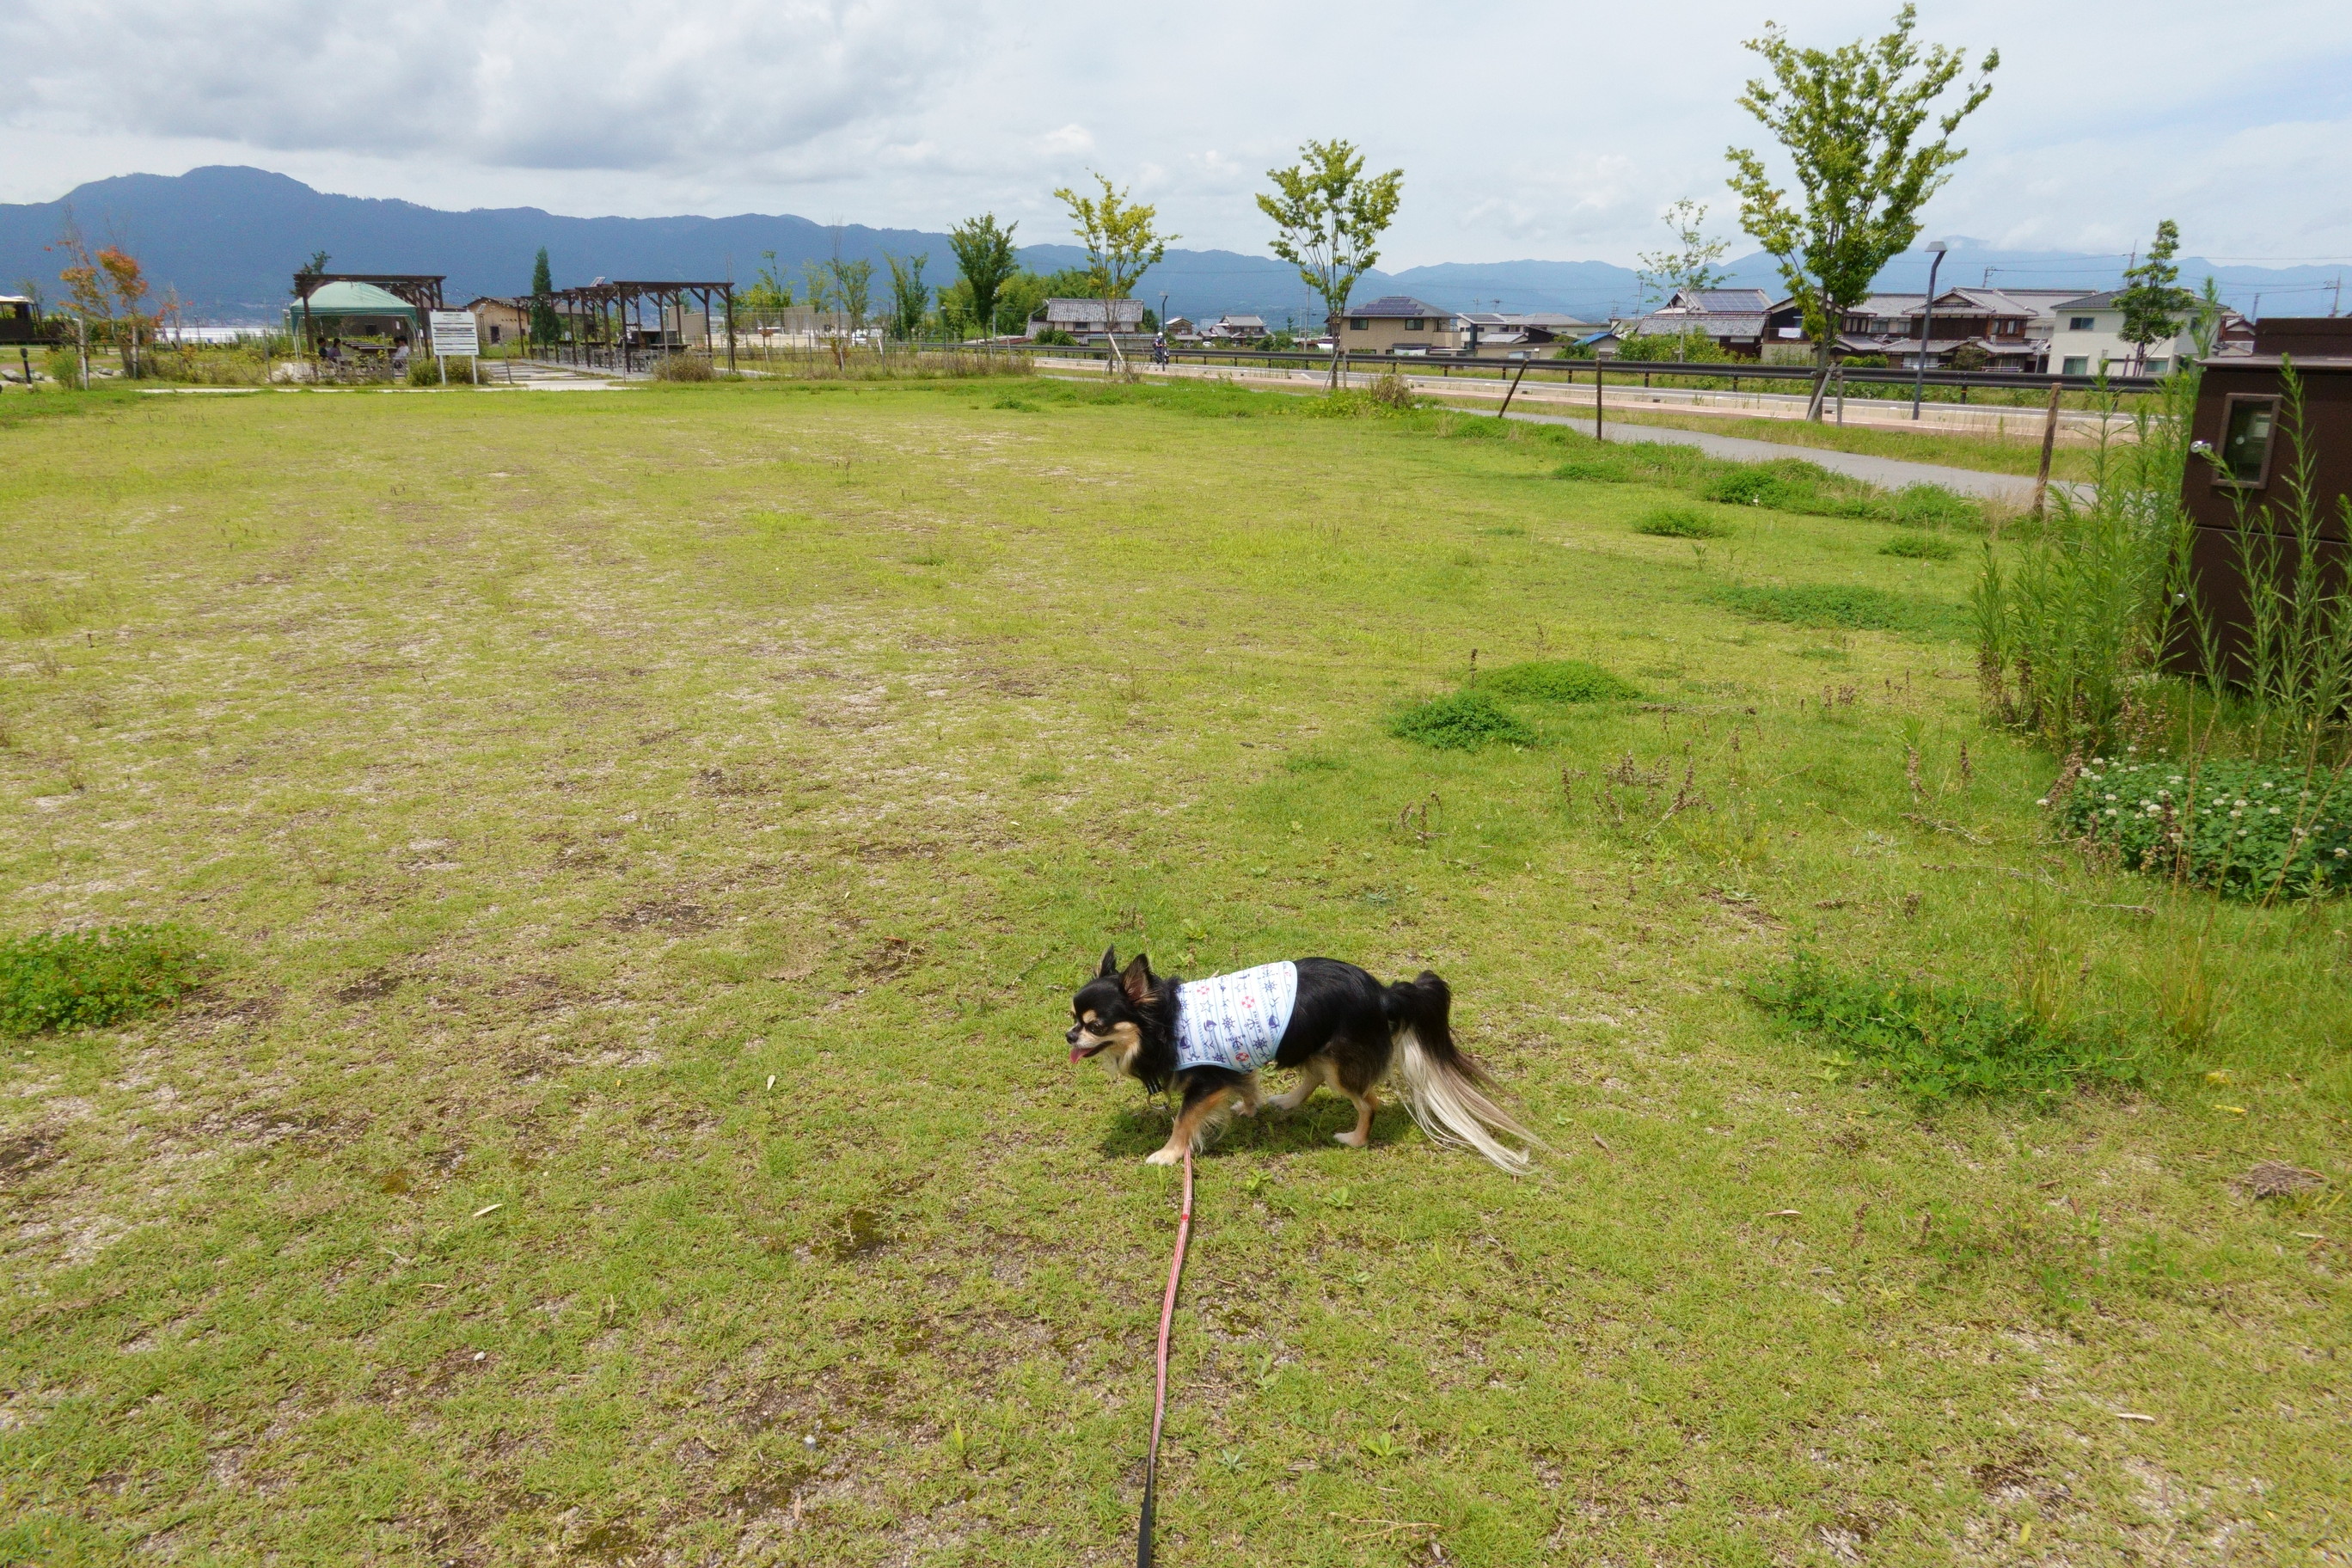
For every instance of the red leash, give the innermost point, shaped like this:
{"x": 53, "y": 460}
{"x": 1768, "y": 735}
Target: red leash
{"x": 1160, "y": 1401}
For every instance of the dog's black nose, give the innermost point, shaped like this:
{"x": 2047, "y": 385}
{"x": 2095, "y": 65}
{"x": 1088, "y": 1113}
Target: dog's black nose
{"x": 1072, "y": 1035}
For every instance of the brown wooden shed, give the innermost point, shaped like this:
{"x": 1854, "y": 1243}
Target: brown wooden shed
{"x": 2240, "y": 476}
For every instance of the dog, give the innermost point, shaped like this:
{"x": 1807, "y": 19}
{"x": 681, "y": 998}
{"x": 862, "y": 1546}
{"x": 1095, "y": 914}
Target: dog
{"x": 1331, "y": 1021}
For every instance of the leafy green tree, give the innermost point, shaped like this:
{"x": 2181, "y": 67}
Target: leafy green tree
{"x": 2152, "y": 300}
{"x": 768, "y": 292}
{"x": 1692, "y": 265}
{"x": 983, "y": 254}
{"x": 1854, "y": 121}
{"x": 1021, "y": 296}
{"x": 543, "y": 326}
{"x": 1329, "y": 219}
{"x": 1122, "y": 240}
{"x": 853, "y": 289}
{"x": 907, "y": 294}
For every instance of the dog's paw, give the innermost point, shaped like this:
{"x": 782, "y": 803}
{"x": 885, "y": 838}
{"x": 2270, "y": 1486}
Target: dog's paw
{"x": 1246, "y": 1110}
{"x": 1164, "y": 1157}
{"x": 1351, "y": 1138}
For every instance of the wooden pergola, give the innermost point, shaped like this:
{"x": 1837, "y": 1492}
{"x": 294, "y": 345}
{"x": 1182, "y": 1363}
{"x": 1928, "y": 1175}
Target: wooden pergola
{"x": 614, "y": 314}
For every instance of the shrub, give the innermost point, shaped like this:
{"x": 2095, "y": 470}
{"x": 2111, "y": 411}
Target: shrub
{"x": 1920, "y": 547}
{"x": 684, "y": 365}
{"x": 77, "y": 980}
{"x": 1558, "y": 680}
{"x": 1935, "y": 1042}
{"x": 1932, "y": 506}
{"x": 1679, "y": 522}
{"x": 2247, "y": 828}
{"x": 62, "y": 366}
{"x": 1460, "y": 721}
{"x": 1055, "y": 337}
{"x": 424, "y": 370}
{"x": 1829, "y": 605}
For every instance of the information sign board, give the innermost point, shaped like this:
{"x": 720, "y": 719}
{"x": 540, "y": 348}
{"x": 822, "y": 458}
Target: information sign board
{"x": 453, "y": 333}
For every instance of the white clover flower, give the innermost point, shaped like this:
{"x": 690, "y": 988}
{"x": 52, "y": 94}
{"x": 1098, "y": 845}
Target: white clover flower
{"x": 2275, "y": 811}
{"x": 2340, "y": 854}
{"x": 2043, "y": 801}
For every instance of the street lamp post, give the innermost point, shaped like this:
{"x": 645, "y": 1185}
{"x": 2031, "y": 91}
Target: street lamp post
{"x": 1927, "y": 329}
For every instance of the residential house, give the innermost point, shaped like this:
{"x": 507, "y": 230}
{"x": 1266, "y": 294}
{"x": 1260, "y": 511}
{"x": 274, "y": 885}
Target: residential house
{"x": 1087, "y": 319}
{"x": 2089, "y": 339}
{"x": 1398, "y": 324}
{"x": 1734, "y": 318}
{"x": 1234, "y": 329}
{"x": 1518, "y": 335}
{"x": 1179, "y": 328}
{"x": 500, "y": 320}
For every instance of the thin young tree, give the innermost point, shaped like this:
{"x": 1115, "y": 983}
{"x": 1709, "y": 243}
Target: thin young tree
{"x": 907, "y": 295}
{"x": 543, "y": 327}
{"x": 1122, "y": 241}
{"x": 1691, "y": 267}
{"x": 2154, "y": 304}
{"x": 983, "y": 254}
{"x": 1328, "y": 218}
{"x": 1856, "y": 122}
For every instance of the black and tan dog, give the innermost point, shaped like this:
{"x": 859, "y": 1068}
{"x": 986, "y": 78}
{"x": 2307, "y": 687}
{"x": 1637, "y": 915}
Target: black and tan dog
{"x": 1331, "y": 1021}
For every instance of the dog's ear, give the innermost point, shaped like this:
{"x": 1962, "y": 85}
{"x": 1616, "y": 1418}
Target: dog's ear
{"x": 1109, "y": 964}
{"x": 1137, "y": 980}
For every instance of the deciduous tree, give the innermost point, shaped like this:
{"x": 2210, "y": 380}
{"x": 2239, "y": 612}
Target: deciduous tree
{"x": 1692, "y": 265}
{"x": 907, "y": 295}
{"x": 1122, "y": 241}
{"x": 2152, "y": 300}
{"x": 1859, "y": 128}
{"x": 983, "y": 254}
{"x": 1328, "y": 218}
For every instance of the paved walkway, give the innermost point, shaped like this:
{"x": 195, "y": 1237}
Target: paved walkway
{"x": 1888, "y": 473}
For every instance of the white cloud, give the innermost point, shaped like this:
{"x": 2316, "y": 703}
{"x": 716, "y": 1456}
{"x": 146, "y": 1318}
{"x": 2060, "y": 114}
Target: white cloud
{"x": 1525, "y": 127}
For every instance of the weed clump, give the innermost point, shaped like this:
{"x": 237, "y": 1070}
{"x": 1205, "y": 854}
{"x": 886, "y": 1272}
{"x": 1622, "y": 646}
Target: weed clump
{"x": 1920, "y": 547}
{"x": 1679, "y": 522}
{"x": 1852, "y": 608}
{"x": 2249, "y": 829}
{"x": 1558, "y": 680}
{"x": 1937, "y": 1042}
{"x": 83, "y": 980}
{"x": 1460, "y": 721}
{"x": 684, "y": 367}
{"x": 1932, "y": 506}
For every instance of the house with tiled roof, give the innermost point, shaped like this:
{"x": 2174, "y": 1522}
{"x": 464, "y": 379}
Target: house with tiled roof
{"x": 1734, "y": 318}
{"x": 1398, "y": 324}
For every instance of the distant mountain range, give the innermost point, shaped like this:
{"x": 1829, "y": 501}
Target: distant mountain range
{"x": 227, "y": 240}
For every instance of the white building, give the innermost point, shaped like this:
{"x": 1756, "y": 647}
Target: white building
{"x": 2087, "y": 338}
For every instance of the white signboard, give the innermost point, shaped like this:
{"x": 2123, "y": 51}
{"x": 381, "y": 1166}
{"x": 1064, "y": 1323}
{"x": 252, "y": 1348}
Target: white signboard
{"x": 453, "y": 333}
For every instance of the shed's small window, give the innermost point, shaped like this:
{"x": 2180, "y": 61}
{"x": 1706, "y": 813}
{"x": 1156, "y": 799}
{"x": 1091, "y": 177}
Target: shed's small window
{"x": 2246, "y": 439}
{"x": 2081, "y": 324}
{"x": 2076, "y": 365}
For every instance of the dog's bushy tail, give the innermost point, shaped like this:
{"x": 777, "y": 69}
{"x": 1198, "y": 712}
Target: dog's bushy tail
{"x": 1445, "y": 1090}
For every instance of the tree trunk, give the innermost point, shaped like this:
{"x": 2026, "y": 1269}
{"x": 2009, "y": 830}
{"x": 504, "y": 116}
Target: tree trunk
{"x": 1331, "y": 325}
{"x": 1820, "y": 379}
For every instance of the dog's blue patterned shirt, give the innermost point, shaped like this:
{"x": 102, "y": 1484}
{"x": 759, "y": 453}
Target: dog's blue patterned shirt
{"x": 1234, "y": 1021}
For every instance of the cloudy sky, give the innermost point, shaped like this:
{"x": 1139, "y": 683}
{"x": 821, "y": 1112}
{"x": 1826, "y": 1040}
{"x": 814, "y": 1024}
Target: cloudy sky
{"x": 1526, "y": 129}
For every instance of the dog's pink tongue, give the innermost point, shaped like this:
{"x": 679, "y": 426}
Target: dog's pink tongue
{"x": 1077, "y": 1052}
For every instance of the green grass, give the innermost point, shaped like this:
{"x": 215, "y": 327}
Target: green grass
{"x": 1939, "y": 1042}
{"x": 1681, "y": 522}
{"x": 1558, "y": 681}
{"x": 657, "y": 886}
{"x": 81, "y": 980}
{"x": 1459, "y": 721}
{"x": 1851, "y": 607}
{"x": 1920, "y": 547}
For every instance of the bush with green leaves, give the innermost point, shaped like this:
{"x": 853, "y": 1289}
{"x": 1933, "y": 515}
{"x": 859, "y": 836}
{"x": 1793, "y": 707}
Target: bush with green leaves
{"x": 1920, "y": 547}
{"x": 1932, "y": 506}
{"x": 1680, "y": 522}
{"x": 1460, "y": 721}
{"x": 1839, "y": 605}
{"x": 1558, "y": 681}
{"x": 81, "y": 980}
{"x": 1937, "y": 1042}
{"x": 424, "y": 370}
{"x": 685, "y": 365}
{"x": 2254, "y": 830}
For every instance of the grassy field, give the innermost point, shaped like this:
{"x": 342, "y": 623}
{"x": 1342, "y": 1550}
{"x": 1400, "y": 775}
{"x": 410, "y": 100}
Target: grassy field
{"x": 654, "y": 836}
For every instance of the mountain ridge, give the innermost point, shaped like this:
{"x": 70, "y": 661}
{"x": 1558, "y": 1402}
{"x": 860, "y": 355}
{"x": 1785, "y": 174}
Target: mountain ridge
{"x": 227, "y": 238}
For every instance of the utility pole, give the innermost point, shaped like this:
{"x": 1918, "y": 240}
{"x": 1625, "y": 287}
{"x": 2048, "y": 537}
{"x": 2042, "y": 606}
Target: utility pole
{"x": 1927, "y": 329}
